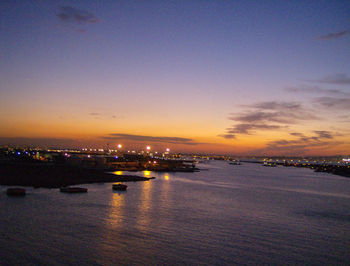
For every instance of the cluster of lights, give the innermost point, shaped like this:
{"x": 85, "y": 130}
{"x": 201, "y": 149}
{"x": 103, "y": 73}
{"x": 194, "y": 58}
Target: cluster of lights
{"x": 119, "y": 147}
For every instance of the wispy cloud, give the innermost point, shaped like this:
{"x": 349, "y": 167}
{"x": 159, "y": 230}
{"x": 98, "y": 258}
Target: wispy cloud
{"x": 336, "y": 79}
{"x": 333, "y": 103}
{"x": 227, "y": 136}
{"x": 249, "y": 128}
{"x": 73, "y": 15}
{"x": 314, "y": 89}
{"x": 296, "y": 134}
{"x": 323, "y": 134}
{"x": 301, "y": 144}
{"x": 267, "y": 116}
{"x": 151, "y": 139}
{"x": 333, "y": 35}
{"x": 274, "y": 105}
{"x": 97, "y": 115}
{"x": 344, "y": 118}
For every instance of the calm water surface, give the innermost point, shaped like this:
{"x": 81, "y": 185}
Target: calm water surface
{"x": 247, "y": 214}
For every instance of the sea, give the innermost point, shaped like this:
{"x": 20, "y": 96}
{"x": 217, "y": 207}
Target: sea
{"x": 223, "y": 215}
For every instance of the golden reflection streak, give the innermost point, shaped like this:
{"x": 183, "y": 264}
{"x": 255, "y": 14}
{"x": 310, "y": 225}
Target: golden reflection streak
{"x": 116, "y": 210}
{"x": 164, "y": 201}
{"x": 147, "y": 173}
{"x": 113, "y": 222}
{"x": 143, "y": 218}
{"x": 165, "y": 197}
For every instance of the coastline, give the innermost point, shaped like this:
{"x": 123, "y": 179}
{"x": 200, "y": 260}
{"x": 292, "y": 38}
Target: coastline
{"x": 42, "y": 175}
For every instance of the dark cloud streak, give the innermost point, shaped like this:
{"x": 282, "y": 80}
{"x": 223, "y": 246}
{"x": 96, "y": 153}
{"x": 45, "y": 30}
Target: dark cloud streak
{"x": 333, "y": 35}
{"x": 314, "y": 89}
{"x": 265, "y": 116}
{"x": 73, "y": 15}
{"x": 333, "y": 103}
{"x": 336, "y": 79}
{"x": 172, "y": 140}
{"x": 248, "y": 128}
{"x": 301, "y": 144}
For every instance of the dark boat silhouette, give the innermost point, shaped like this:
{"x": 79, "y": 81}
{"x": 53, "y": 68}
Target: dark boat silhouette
{"x": 120, "y": 187}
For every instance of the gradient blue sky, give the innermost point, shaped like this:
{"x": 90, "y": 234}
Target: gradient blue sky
{"x": 178, "y": 69}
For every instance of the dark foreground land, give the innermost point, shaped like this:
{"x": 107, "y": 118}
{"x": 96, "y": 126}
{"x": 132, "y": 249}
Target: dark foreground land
{"x": 54, "y": 175}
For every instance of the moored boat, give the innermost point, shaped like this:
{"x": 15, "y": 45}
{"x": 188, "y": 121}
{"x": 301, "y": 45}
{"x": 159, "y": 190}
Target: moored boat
{"x": 16, "y": 192}
{"x": 73, "y": 189}
{"x": 120, "y": 187}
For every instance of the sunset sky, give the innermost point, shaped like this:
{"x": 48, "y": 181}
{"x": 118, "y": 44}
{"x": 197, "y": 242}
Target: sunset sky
{"x": 228, "y": 77}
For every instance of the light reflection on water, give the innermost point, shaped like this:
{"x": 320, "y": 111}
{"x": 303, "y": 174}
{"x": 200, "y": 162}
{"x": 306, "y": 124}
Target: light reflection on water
{"x": 144, "y": 205}
{"x": 147, "y": 173}
{"x": 116, "y": 210}
{"x": 227, "y": 215}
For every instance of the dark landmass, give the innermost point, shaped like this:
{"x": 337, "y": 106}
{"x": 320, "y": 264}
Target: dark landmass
{"x": 48, "y": 175}
{"x": 342, "y": 170}
{"x": 336, "y": 170}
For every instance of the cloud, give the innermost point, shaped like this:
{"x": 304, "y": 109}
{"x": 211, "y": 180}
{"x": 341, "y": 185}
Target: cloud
{"x": 296, "y": 134}
{"x": 333, "y": 103}
{"x": 321, "y": 139}
{"x": 258, "y": 116}
{"x": 317, "y": 138}
{"x": 274, "y": 105}
{"x": 248, "y": 128}
{"x": 314, "y": 89}
{"x": 281, "y": 112}
{"x": 227, "y": 136}
{"x": 97, "y": 115}
{"x": 336, "y": 79}
{"x": 334, "y": 35}
{"x": 73, "y": 15}
{"x": 267, "y": 116}
{"x": 324, "y": 134}
{"x": 150, "y": 139}
{"x": 344, "y": 118}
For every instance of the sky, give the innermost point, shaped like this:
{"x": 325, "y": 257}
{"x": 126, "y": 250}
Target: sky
{"x": 224, "y": 77}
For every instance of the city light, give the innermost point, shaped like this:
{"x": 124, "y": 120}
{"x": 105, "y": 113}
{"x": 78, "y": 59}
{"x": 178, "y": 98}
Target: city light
{"x": 167, "y": 149}
{"x": 119, "y": 146}
{"x": 148, "y": 148}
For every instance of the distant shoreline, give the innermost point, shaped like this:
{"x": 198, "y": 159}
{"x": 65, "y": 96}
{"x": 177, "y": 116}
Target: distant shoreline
{"x": 340, "y": 170}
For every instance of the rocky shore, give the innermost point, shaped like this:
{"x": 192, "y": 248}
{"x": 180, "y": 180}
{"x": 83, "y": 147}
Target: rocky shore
{"x": 48, "y": 175}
